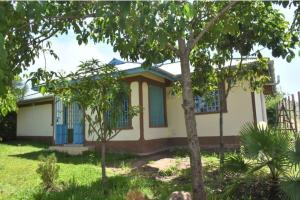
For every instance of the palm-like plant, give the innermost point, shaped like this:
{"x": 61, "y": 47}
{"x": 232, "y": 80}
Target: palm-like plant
{"x": 267, "y": 146}
{"x": 291, "y": 183}
{"x": 271, "y": 148}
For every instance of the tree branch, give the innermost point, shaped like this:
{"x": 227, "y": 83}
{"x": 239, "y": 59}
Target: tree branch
{"x": 193, "y": 41}
{"x": 176, "y": 51}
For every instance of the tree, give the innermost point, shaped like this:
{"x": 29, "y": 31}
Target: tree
{"x": 155, "y": 32}
{"x": 163, "y": 31}
{"x": 223, "y": 78}
{"x": 25, "y": 28}
{"x": 100, "y": 92}
{"x": 8, "y": 101}
{"x": 214, "y": 68}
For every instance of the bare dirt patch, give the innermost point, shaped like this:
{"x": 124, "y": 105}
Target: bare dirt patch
{"x": 164, "y": 166}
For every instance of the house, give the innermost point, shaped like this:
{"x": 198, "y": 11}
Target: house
{"x": 160, "y": 126}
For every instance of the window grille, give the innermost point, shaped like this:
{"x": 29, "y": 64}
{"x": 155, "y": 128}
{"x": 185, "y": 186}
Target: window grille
{"x": 209, "y": 104}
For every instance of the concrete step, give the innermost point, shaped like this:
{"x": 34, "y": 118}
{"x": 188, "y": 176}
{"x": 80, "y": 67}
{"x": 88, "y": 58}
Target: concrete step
{"x": 72, "y": 149}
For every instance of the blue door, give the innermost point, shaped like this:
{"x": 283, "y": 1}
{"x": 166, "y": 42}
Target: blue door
{"x": 69, "y": 123}
{"x": 78, "y": 121}
{"x": 61, "y": 126}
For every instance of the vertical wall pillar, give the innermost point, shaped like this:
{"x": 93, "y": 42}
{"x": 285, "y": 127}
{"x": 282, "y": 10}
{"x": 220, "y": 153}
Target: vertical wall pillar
{"x": 141, "y": 104}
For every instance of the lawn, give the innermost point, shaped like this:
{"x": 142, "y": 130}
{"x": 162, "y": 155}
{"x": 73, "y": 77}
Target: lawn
{"x": 156, "y": 176}
{"x": 80, "y": 175}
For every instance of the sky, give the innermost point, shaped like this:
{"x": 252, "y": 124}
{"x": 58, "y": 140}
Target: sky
{"x": 71, "y": 54}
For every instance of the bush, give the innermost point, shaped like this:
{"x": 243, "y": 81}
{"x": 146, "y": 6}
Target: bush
{"x": 270, "y": 148}
{"x": 49, "y": 171}
{"x": 8, "y": 126}
{"x": 271, "y": 104}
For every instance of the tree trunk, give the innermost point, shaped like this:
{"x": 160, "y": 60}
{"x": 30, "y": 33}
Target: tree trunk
{"x": 103, "y": 165}
{"x": 221, "y": 100}
{"x": 198, "y": 191}
{"x": 274, "y": 193}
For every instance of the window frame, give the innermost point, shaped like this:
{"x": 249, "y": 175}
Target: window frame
{"x": 129, "y": 126}
{"x": 224, "y": 107}
{"x": 164, "y": 103}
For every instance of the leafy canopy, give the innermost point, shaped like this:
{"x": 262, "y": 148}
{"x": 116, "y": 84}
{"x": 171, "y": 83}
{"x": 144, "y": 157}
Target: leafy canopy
{"x": 138, "y": 30}
{"x": 25, "y": 28}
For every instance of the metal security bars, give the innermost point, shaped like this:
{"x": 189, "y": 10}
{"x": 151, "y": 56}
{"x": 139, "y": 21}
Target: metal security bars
{"x": 69, "y": 123}
{"x": 123, "y": 119}
{"x": 207, "y": 105}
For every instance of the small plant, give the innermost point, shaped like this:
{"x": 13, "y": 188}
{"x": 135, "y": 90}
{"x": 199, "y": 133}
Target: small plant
{"x": 171, "y": 171}
{"x": 49, "y": 171}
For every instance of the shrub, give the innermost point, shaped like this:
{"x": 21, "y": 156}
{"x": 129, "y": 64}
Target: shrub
{"x": 8, "y": 126}
{"x": 49, "y": 171}
{"x": 271, "y": 104}
{"x": 267, "y": 147}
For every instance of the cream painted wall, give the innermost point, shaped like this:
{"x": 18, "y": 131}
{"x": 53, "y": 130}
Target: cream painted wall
{"x": 35, "y": 120}
{"x": 239, "y": 108}
{"x": 126, "y": 134}
{"x": 153, "y": 132}
{"x": 153, "y": 77}
{"x": 261, "y": 114}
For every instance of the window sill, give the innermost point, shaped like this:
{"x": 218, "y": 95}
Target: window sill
{"x": 162, "y": 126}
{"x": 207, "y": 113}
{"x": 125, "y": 128}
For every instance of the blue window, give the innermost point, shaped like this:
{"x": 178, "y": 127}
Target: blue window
{"x": 157, "y": 106}
{"x": 207, "y": 105}
{"x": 123, "y": 120}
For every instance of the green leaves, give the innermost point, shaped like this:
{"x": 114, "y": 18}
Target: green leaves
{"x": 295, "y": 154}
{"x": 236, "y": 163}
{"x": 188, "y": 10}
{"x": 272, "y": 142}
{"x": 43, "y": 90}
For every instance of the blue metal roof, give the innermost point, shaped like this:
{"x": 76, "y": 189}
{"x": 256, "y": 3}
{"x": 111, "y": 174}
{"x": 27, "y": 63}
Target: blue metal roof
{"x": 153, "y": 69}
{"x": 115, "y": 61}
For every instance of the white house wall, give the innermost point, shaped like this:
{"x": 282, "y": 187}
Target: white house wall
{"x": 261, "y": 115}
{"x": 126, "y": 134}
{"x": 239, "y": 112}
{"x": 35, "y": 120}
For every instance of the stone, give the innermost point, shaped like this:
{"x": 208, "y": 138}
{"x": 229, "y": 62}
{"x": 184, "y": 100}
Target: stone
{"x": 135, "y": 195}
{"x": 180, "y": 195}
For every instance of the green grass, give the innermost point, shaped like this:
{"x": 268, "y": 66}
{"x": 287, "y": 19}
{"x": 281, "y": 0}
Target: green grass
{"x": 79, "y": 175}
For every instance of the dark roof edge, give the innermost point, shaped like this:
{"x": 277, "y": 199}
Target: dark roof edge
{"x": 36, "y": 100}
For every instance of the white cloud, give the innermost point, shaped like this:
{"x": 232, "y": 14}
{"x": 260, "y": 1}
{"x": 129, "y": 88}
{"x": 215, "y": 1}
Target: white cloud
{"x": 71, "y": 54}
